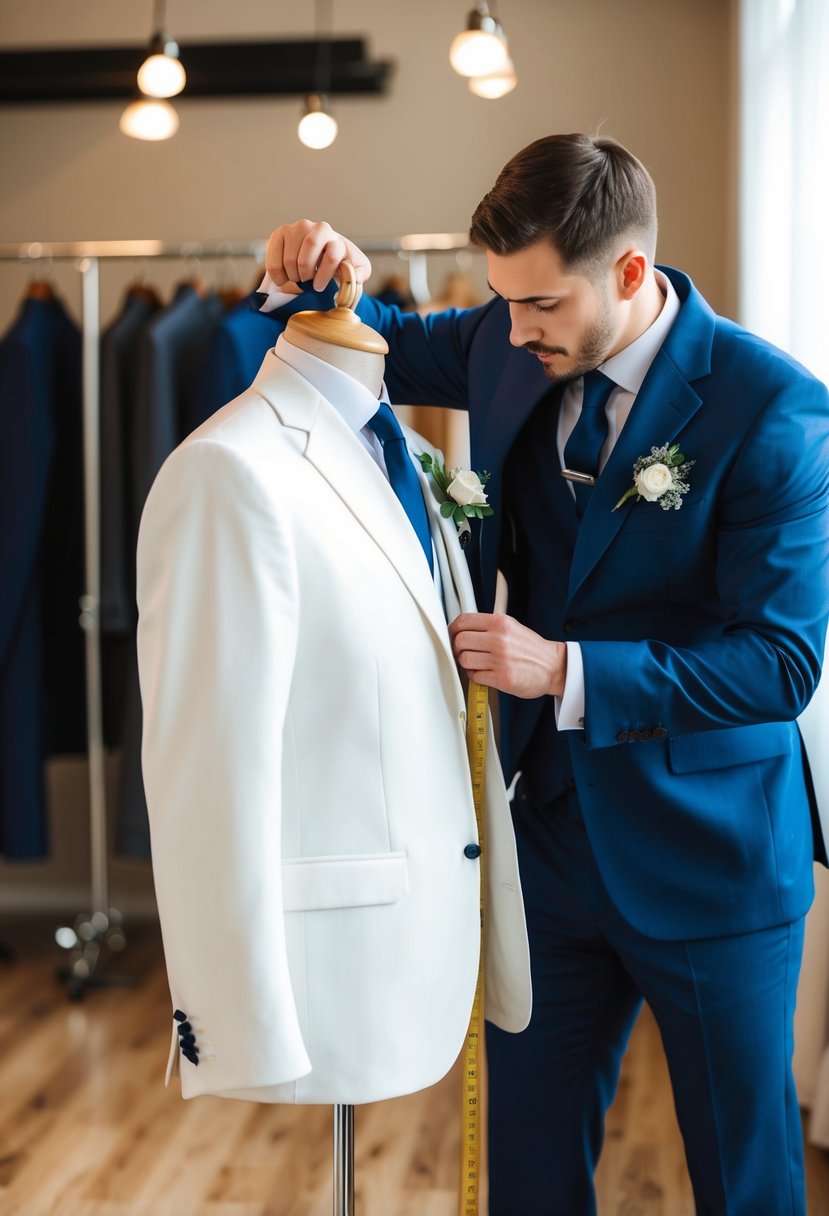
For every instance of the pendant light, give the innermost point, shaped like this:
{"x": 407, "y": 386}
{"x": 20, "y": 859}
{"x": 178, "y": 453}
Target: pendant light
{"x": 149, "y": 118}
{"x": 318, "y": 127}
{"x": 494, "y": 84}
{"x": 161, "y": 74}
{"x": 481, "y": 48}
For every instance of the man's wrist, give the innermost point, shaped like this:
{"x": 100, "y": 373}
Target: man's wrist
{"x": 558, "y": 673}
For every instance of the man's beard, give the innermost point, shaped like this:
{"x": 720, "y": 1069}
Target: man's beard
{"x": 596, "y": 342}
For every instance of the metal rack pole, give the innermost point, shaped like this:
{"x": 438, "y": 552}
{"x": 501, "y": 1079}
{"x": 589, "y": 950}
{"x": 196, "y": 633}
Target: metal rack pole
{"x": 343, "y": 1161}
{"x": 90, "y": 604}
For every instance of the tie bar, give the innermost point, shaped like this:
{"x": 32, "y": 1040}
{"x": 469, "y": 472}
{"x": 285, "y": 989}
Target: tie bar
{"x": 584, "y": 479}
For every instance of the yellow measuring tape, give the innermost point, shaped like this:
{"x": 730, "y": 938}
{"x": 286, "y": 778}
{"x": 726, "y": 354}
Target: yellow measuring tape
{"x": 473, "y": 1055}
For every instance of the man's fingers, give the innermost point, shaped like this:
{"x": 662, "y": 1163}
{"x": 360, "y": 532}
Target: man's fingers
{"x": 294, "y": 250}
{"x": 333, "y": 253}
{"x": 359, "y": 261}
{"x": 486, "y": 643}
{"x": 303, "y": 254}
{"x": 476, "y": 622}
{"x": 273, "y": 258}
{"x": 312, "y": 250}
{"x": 475, "y": 660}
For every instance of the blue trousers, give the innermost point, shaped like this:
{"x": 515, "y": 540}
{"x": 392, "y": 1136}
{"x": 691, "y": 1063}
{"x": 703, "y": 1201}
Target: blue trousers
{"x": 724, "y": 1007}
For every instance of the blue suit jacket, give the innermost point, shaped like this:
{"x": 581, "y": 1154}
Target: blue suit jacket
{"x": 42, "y": 689}
{"x": 237, "y": 347}
{"x": 708, "y": 622}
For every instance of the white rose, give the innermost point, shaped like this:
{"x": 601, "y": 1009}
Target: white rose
{"x": 465, "y": 488}
{"x": 653, "y": 481}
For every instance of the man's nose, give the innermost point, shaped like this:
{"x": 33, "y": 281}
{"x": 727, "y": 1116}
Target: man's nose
{"x": 523, "y": 328}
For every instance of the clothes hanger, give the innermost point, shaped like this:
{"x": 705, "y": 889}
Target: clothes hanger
{"x": 39, "y": 286}
{"x": 194, "y": 279}
{"x": 140, "y": 289}
{"x": 39, "y": 289}
{"x": 230, "y": 293}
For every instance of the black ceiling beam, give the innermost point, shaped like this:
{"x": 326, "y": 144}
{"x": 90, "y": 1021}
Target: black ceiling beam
{"x": 234, "y": 69}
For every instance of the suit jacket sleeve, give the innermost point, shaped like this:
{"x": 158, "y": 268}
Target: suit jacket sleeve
{"x": 216, "y": 645}
{"x": 428, "y": 362}
{"x": 772, "y": 562}
{"x": 428, "y": 356}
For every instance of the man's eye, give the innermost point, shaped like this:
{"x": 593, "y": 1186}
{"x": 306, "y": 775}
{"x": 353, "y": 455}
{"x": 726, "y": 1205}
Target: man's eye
{"x": 544, "y": 307}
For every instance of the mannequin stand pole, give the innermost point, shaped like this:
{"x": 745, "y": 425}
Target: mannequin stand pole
{"x": 343, "y": 1161}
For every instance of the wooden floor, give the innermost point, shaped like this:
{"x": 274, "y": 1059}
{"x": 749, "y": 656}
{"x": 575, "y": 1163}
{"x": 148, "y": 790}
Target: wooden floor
{"x": 87, "y": 1128}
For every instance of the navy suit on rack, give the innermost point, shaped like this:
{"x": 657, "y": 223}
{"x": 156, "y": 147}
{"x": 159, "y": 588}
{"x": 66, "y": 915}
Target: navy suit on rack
{"x": 42, "y": 691}
{"x": 666, "y": 848}
{"x": 26, "y": 460}
{"x": 238, "y": 345}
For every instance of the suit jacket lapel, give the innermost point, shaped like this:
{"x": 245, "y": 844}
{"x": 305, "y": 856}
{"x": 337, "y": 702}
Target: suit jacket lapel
{"x": 458, "y": 593}
{"x": 664, "y": 405}
{"x": 339, "y": 457}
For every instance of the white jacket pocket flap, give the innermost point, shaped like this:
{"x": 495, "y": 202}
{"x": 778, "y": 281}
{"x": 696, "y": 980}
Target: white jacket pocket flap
{"x": 312, "y": 884}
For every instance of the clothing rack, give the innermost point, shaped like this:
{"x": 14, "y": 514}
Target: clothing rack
{"x": 99, "y": 931}
{"x": 102, "y": 925}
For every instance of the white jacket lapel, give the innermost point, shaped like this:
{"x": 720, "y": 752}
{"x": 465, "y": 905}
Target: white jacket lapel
{"x": 340, "y": 458}
{"x": 457, "y": 581}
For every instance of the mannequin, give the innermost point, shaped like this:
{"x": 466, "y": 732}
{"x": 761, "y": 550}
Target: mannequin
{"x": 304, "y": 753}
{"x": 340, "y": 338}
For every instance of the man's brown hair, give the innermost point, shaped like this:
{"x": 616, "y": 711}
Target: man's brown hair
{"x": 578, "y": 191}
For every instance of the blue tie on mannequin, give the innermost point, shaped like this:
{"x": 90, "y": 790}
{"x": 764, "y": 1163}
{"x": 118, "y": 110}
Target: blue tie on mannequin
{"x": 403, "y": 476}
{"x": 584, "y": 447}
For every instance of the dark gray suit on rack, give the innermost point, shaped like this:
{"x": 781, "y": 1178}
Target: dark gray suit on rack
{"x": 119, "y": 528}
{"x": 172, "y": 350}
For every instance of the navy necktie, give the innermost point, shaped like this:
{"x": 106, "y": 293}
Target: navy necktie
{"x": 584, "y": 447}
{"x": 402, "y": 475}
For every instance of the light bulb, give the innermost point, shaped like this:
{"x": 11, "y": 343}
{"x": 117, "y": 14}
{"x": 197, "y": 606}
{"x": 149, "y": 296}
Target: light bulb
{"x": 161, "y": 75}
{"x": 317, "y": 128}
{"x": 149, "y": 120}
{"x": 495, "y": 84}
{"x": 476, "y": 53}
{"x": 481, "y": 48}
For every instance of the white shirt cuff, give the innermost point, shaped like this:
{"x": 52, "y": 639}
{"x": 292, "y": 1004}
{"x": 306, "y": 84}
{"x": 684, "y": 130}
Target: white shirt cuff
{"x": 276, "y": 297}
{"x": 570, "y": 705}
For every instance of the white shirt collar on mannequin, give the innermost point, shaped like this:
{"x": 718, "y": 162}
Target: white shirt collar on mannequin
{"x": 349, "y": 398}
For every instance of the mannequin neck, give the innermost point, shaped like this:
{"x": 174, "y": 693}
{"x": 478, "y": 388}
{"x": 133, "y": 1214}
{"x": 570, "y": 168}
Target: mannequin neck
{"x": 361, "y": 365}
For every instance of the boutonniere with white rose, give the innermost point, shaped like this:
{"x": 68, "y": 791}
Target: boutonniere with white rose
{"x": 660, "y": 477}
{"x": 464, "y": 496}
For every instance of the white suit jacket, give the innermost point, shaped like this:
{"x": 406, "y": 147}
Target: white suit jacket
{"x": 306, "y": 770}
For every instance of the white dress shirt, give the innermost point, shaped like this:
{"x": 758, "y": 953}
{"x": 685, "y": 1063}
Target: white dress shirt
{"x": 627, "y": 370}
{"x": 352, "y": 400}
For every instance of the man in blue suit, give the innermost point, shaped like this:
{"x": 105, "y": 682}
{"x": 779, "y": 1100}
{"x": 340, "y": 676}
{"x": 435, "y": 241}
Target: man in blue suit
{"x": 653, "y": 659}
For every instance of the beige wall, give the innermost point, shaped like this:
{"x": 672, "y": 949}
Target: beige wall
{"x": 656, "y": 74}
{"x": 653, "y": 73}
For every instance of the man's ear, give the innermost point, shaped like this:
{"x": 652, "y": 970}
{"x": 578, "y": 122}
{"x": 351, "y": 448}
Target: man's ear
{"x": 631, "y": 269}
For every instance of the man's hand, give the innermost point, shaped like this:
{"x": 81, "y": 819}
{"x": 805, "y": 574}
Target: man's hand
{"x": 497, "y": 651}
{"x": 309, "y": 250}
